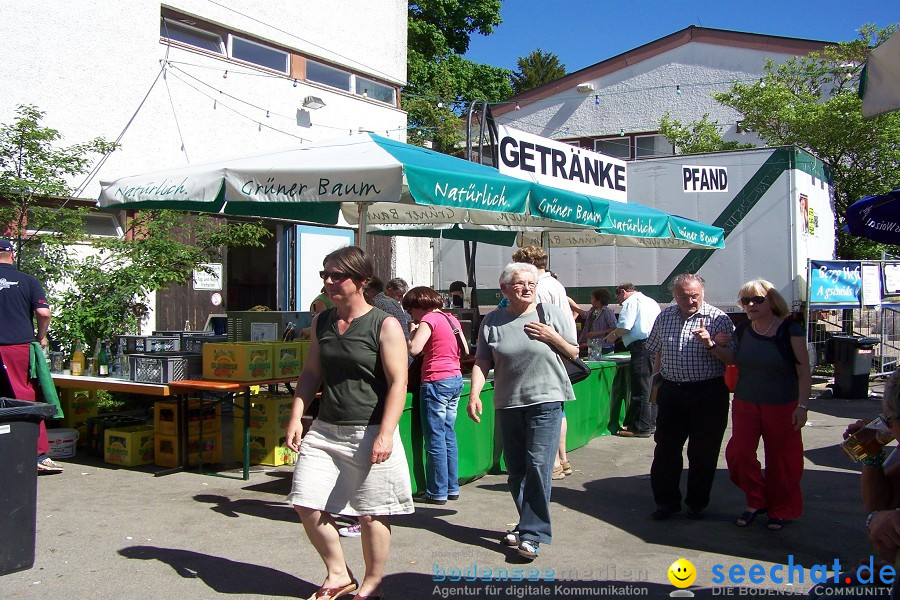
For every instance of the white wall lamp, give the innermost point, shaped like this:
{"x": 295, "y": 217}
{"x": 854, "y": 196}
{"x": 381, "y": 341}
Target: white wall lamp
{"x": 585, "y": 87}
{"x": 313, "y": 102}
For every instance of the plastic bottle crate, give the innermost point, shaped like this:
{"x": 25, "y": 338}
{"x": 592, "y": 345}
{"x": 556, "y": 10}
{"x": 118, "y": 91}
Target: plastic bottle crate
{"x": 190, "y": 342}
{"x": 136, "y": 344}
{"x": 97, "y": 426}
{"x": 163, "y": 367}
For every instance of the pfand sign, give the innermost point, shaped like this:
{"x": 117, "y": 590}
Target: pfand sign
{"x": 704, "y": 179}
{"x": 534, "y": 158}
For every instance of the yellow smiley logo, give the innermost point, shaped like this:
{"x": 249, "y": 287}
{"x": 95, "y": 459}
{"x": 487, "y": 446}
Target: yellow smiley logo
{"x": 682, "y": 573}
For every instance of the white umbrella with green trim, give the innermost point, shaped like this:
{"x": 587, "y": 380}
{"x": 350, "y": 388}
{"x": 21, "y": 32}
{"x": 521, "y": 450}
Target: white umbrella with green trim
{"x": 391, "y": 187}
{"x": 313, "y": 181}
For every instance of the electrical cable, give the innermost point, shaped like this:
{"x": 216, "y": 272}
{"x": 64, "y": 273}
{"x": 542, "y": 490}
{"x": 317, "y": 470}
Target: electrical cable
{"x": 175, "y": 116}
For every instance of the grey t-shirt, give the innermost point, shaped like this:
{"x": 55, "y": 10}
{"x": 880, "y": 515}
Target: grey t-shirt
{"x": 764, "y": 376}
{"x": 526, "y": 371}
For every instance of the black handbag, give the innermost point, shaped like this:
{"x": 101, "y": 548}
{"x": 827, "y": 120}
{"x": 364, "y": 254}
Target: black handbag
{"x": 414, "y": 374}
{"x": 576, "y": 369}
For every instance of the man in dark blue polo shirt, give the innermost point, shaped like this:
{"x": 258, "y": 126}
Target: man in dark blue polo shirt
{"x": 22, "y": 299}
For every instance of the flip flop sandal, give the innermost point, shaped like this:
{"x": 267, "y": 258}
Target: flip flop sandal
{"x": 333, "y": 593}
{"x": 747, "y": 517}
{"x": 776, "y": 524}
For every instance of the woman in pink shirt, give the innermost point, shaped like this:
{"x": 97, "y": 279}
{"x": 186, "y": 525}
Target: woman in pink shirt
{"x": 438, "y": 339}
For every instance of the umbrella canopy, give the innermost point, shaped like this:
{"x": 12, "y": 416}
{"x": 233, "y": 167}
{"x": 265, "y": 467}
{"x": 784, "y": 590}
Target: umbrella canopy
{"x": 388, "y": 186}
{"x": 880, "y": 86}
{"x": 311, "y": 183}
{"x": 876, "y": 218}
{"x": 622, "y": 225}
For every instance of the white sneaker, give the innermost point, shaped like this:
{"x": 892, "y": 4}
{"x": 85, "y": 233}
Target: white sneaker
{"x": 511, "y": 538}
{"x": 351, "y": 531}
{"x": 48, "y": 467}
{"x": 529, "y": 549}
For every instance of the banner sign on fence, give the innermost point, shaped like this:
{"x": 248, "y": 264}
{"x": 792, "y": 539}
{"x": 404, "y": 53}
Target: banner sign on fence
{"x": 836, "y": 284}
{"x": 890, "y": 279}
{"x": 871, "y": 285}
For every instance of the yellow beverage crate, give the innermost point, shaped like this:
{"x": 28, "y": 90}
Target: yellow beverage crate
{"x": 78, "y": 406}
{"x": 237, "y": 362}
{"x": 289, "y": 358}
{"x": 268, "y": 413}
{"x": 129, "y": 446}
{"x": 266, "y": 448}
{"x": 166, "y": 418}
{"x": 167, "y": 452}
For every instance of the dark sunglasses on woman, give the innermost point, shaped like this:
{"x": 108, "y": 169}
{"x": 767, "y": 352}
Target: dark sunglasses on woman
{"x": 745, "y": 300}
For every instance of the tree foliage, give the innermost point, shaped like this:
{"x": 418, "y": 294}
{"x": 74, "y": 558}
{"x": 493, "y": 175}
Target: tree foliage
{"x": 812, "y": 102}
{"x": 98, "y": 286}
{"x": 699, "y": 136}
{"x": 441, "y": 81}
{"x": 33, "y": 168}
{"x": 536, "y": 69}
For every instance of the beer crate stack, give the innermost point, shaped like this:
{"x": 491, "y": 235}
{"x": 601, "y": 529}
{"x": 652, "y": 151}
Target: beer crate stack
{"x": 253, "y": 361}
{"x": 78, "y": 406}
{"x": 167, "y": 421}
{"x": 269, "y": 416}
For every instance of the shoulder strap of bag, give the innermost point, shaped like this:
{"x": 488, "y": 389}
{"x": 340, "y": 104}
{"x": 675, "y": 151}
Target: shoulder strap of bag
{"x": 460, "y": 339}
{"x": 543, "y": 319}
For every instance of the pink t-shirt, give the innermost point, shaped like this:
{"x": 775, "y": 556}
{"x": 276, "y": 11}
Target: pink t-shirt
{"x": 441, "y": 351}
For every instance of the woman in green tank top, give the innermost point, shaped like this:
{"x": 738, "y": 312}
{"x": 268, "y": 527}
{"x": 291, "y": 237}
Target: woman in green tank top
{"x": 351, "y": 462}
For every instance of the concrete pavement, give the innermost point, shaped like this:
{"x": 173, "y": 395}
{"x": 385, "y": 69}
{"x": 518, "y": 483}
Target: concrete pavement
{"x": 112, "y": 533}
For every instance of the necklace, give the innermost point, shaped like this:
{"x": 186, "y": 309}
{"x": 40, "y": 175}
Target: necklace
{"x": 764, "y": 333}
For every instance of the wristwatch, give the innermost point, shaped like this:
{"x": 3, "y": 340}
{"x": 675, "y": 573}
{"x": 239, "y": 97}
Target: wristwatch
{"x": 869, "y": 518}
{"x": 714, "y": 344}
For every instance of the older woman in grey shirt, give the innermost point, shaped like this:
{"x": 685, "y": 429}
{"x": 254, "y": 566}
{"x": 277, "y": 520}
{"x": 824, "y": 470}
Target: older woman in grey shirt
{"x": 524, "y": 342}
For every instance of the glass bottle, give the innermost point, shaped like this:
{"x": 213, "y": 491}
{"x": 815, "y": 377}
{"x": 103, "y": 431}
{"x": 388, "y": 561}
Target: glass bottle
{"x": 77, "y": 364}
{"x": 103, "y": 361}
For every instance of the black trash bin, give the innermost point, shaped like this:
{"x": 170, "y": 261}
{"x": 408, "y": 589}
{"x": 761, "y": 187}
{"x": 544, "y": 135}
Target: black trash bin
{"x": 19, "y": 423}
{"x": 852, "y": 365}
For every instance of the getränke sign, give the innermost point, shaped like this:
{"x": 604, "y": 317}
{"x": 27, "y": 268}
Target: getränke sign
{"x": 549, "y": 162}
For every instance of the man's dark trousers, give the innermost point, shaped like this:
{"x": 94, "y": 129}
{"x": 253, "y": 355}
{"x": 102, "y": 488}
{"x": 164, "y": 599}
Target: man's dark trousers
{"x": 696, "y": 412}
{"x": 641, "y": 415}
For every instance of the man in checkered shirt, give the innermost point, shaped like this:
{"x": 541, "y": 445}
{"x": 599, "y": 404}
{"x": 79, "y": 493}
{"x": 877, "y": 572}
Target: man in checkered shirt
{"x": 692, "y": 398}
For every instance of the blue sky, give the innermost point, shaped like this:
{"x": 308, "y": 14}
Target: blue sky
{"x": 586, "y": 32}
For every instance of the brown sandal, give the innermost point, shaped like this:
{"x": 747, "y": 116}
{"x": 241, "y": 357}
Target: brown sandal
{"x": 333, "y": 593}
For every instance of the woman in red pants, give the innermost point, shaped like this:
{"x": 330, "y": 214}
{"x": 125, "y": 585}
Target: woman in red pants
{"x": 770, "y": 402}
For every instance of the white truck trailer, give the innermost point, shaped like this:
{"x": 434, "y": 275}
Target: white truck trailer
{"x": 775, "y": 204}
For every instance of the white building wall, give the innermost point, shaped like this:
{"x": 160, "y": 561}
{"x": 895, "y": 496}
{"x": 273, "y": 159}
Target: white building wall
{"x": 681, "y": 81}
{"x": 90, "y": 63}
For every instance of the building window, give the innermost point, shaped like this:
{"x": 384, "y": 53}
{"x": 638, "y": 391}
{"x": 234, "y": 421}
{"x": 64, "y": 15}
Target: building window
{"x": 258, "y": 54}
{"x": 376, "y": 91}
{"x": 175, "y": 27}
{"x": 327, "y": 75}
{"x": 617, "y": 147}
{"x": 179, "y": 32}
{"x": 646, "y": 146}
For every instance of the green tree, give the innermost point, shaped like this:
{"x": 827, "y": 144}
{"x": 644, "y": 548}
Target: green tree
{"x": 33, "y": 170}
{"x": 536, "y": 69}
{"x": 449, "y": 84}
{"x": 812, "y": 101}
{"x": 699, "y": 136}
{"x": 102, "y": 292}
{"x": 441, "y": 81}
{"x": 158, "y": 248}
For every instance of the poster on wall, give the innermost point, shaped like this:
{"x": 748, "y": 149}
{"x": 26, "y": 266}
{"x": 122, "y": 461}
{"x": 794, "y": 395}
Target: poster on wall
{"x": 835, "y": 284}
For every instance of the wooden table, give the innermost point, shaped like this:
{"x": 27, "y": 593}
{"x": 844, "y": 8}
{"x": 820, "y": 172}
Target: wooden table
{"x": 110, "y": 384}
{"x": 179, "y": 389}
{"x": 200, "y": 386}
